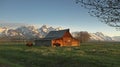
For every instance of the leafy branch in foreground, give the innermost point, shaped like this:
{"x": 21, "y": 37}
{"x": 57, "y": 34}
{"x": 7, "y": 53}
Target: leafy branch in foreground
{"x": 108, "y": 11}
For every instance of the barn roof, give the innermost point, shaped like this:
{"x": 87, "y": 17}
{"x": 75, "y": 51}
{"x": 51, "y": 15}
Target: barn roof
{"x": 56, "y": 34}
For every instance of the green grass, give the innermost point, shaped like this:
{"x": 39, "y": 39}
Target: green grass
{"x": 87, "y": 55}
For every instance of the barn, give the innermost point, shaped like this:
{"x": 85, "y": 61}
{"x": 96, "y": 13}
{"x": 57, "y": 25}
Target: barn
{"x": 58, "y": 38}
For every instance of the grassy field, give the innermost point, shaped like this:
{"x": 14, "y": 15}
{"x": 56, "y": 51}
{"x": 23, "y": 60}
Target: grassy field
{"x": 87, "y": 55}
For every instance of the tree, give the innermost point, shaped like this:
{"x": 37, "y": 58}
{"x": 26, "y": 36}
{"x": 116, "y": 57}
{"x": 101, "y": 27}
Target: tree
{"x": 82, "y": 36}
{"x": 108, "y": 11}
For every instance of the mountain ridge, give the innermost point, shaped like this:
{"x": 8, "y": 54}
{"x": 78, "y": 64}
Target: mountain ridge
{"x": 26, "y": 32}
{"x": 30, "y": 32}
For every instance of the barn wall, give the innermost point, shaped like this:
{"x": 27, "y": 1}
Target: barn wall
{"x": 66, "y": 40}
{"x": 59, "y": 40}
{"x": 43, "y": 42}
{"x": 75, "y": 42}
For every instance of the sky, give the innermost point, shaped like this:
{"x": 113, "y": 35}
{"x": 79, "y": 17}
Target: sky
{"x": 56, "y": 13}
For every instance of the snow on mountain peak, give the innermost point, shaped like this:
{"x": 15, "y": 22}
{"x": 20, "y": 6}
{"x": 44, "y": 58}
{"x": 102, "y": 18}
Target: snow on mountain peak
{"x": 30, "y": 32}
{"x": 100, "y": 37}
{"x": 59, "y": 28}
{"x": 99, "y": 33}
{"x": 27, "y": 32}
{"x": 45, "y": 26}
{"x": 44, "y": 30}
{"x": 2, "y": 29}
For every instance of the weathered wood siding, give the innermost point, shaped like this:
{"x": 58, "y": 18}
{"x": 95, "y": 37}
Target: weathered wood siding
{"x": 66, "y": 40}
{"x": 75, "y": 42}
{"x": 43, "y": 42}
{"x": 58, "y": 38}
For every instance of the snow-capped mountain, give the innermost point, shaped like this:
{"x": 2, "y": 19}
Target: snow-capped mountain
{"x": 99, "y": 36}
{"x": 30, "y": 32}
{"x": 3, "y": 30}
{"x": 26, "y": 32}
{"x": 44, "y": 30}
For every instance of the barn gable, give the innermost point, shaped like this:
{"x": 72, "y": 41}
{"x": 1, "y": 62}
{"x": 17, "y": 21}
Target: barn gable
{"x": 58, "y": 38}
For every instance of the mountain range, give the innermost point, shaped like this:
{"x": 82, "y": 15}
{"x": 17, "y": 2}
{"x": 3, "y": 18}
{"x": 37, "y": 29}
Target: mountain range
{"x": 99, "y": 36}
{"x": 30, "y": 32}
{"x": 25, "y": 32}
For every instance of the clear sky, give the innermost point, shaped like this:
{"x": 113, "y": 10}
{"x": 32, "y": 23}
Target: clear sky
{"x": 64, "y": 13}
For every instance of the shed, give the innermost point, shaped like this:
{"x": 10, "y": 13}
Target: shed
{"x": 58, "y": 38}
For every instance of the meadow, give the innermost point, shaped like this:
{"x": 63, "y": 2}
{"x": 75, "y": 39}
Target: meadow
{"x": 95, "y": 54}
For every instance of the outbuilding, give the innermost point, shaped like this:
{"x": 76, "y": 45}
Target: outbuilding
{"x": 58, "y": 38}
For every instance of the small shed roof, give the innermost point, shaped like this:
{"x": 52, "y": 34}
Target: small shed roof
{"x": 56, "y": 34}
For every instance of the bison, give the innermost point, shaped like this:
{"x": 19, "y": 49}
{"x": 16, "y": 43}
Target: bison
{"x": 29, "y": 44}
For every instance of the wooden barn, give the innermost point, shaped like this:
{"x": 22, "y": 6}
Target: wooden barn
{"x": 58, "y": 38}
